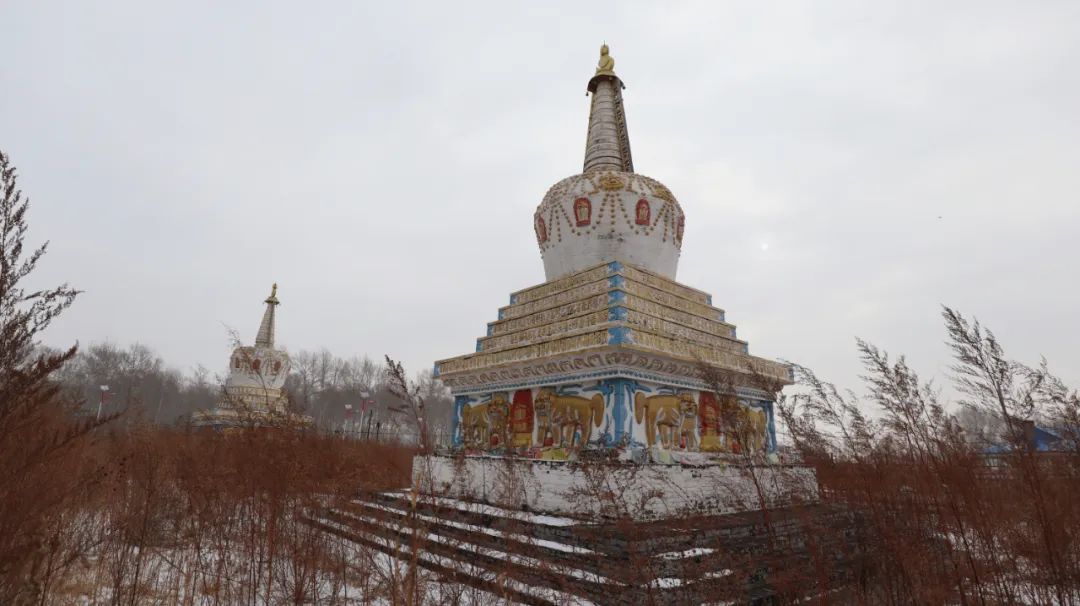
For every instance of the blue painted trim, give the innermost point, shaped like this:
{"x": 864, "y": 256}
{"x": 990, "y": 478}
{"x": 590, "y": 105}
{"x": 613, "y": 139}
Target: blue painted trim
{"x": 708, "y": 299}
{"x": 614, "y": 267}
{"x": 616, "y": 281}
{"x": 513, "y": 299}
{"x": 612, "y": 373}
{"x": 622, "y": 391}
{"x": 616, "y": 297}
{"x": 502, "y": 314}
{"x": 490, "y": 329}
{"x": 619, "y": 335}
{"x": 616, "y": 314}
{"x": 479, "y": 346}
{"x": 722, "y": 317}
{"x": 772, "y": 427}
{"x": 620, "y": 409}
{"x": 455, "y": 420}
{"x": 435, "y": 370}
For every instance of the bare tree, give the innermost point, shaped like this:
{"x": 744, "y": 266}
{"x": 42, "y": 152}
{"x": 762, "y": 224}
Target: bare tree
{"x": 411, "y": 395}
{"x": 37, "y": 437}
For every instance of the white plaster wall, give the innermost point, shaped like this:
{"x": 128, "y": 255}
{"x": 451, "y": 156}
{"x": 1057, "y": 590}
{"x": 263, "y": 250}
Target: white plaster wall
{"x": 641, "y": 491}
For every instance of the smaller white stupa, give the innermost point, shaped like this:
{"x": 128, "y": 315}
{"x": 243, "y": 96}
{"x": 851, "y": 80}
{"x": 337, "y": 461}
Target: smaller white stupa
{"x": 253, "y": 393}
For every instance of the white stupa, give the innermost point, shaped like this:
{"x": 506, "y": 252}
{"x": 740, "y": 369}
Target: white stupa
{"x": 609, "y": 352}
{"x": 253, "y": 393}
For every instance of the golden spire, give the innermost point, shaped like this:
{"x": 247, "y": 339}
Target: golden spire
{"x": 606, "y": 67}
{"x": 607, "y": 144}
{"x": 272, "y": 299}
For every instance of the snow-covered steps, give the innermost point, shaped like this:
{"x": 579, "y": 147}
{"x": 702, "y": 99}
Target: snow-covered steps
{"x": 543, "y": 559}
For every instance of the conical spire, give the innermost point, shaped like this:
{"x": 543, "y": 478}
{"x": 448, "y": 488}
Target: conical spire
{"x": 607, "y": 144}
{"x": 265, "y": 338}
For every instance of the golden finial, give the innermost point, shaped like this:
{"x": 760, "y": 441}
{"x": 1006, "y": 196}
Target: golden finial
{"x": 273, "y": 294}
{"x": 606, "y": 67}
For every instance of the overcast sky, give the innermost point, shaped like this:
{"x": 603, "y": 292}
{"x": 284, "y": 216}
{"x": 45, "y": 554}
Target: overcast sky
{"x": 845, "y": 167}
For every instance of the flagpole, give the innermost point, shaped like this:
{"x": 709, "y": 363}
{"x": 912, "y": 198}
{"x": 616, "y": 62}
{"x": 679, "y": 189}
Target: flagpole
{"x": 101, "y": 400}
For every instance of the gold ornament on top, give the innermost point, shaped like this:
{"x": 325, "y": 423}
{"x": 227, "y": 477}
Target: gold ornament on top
{"x": 606, "y": 67}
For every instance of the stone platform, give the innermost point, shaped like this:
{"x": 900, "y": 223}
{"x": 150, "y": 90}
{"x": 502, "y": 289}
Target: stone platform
{"x": 542, "y": 559}
{"x": 612, "y": 490}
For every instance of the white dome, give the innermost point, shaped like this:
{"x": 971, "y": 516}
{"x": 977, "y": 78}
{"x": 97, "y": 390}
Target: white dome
{"x": 604, "y": 216}
{"x": 260, "y": 367}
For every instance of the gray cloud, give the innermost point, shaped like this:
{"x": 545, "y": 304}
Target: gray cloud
{"x": 381, "y": 162}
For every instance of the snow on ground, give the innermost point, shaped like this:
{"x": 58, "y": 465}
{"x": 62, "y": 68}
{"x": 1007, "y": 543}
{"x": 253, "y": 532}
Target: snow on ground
{"x": 492, "y": 510}
{"x": 689, "y": 553}
{"x": 520, "y": 560}
{"x": 469, "y": 569}
{"x": 488, "y": 531}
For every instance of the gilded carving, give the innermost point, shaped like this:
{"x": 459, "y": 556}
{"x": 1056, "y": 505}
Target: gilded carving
{"x": 540, "y": 350}
{"x": 665, "y": 298}
{"x": 550, "y": 288}
{"x": 664, "y": 327}
{"x": 550, "y": 315}
{"x": 611, "y": 182}
{"x": 664, "y": 416}
{"x": 561, "y": 298}
{"x": 544, "y": 331}
{"x": 705, "y": 324}
{"x": 661, "y": 191}
{"x": 569, "y": 419}
{"x": 664, "y": 284}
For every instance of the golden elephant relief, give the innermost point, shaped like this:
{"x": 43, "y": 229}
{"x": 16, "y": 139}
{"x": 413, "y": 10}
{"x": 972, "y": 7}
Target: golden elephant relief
{"x": 567, "y": 421}
{"x": 674, "y": 422}
{"x": 673, "y": 417}
{"x": 744, "y": 430}
{"x": 755, "y": 424}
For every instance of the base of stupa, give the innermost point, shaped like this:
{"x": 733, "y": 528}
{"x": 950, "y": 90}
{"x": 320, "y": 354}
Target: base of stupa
{"x": 612, "y": 357}
{"x": 231, "y": 418}
{"x": 545, "y": 559}
{"x": 614, "y": 489}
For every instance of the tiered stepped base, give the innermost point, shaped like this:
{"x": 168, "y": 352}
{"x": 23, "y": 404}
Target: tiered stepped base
{"x": 544, "y": 559}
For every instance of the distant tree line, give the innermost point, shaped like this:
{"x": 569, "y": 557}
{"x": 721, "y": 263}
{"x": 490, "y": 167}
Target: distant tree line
{"x": 95, "y": 489}
{"x": 338, "y": 392}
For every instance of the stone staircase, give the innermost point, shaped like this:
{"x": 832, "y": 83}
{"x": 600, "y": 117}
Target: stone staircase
{"x": 543, "y": 559}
